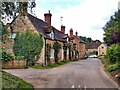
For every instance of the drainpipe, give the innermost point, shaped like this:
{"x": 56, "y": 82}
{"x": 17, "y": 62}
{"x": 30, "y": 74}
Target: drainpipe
{"x": 45, "y": 51}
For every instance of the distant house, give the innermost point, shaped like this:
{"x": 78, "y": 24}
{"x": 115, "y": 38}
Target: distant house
{"x": 92, "y": 47}
{"x": 102, "y": 49}
{"x": 78, "y": 44}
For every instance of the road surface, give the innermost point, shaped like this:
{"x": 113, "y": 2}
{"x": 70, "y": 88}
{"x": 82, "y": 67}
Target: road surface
{"x": 87, "y": 73}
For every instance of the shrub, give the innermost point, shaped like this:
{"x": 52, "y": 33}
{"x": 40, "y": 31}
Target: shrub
{"x": 113, "y": 54}
{"x": 19, "y": 57}
{"x": 6, "y": 56}
{"x": 29, "y": 45}
{"x": 113, "y": 68}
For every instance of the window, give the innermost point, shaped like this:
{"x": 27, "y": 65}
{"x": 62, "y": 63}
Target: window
{"x": 102, "y": 47}
{"x": 67, "y": 39}
{"x": 102, "y": 53}
{"x": 12, "y": 36}
{"x": 52, "y": 35}
{"x": 52, "y": 53}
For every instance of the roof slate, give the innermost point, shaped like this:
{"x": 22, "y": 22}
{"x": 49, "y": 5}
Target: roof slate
{"x": 43, "y": 28}
{"x": 92, "y": 45}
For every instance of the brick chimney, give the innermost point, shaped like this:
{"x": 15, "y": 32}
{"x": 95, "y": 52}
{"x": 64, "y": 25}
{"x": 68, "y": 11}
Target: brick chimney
{"x": 23, "y": 10}
{"x": 47, "y": 17}
{"x": 76, "y": 33}
{"x": 63, "y": 29}
{"x": 71, "y": 32}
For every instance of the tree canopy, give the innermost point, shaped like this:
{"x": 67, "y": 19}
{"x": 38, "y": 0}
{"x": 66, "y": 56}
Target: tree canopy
{"x": 112, "y": 29}
{"x": 86, "y": 39}
{"x": 10, "y": 10}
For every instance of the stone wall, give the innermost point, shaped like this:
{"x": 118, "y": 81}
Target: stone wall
{"x": 41, "y": 60}
{"x": 20, "y": 24}
{"x": 8, "y": 45}
{"x": 81, "y": 50}
{"x": 14, "y": 64}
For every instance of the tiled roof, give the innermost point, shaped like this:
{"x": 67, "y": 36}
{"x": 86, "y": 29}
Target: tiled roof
{"x": 43, "y": 28}
{"x": 92, "y": 45}
{"x": 80, "y": 40}
{"x": 58, "y": 35}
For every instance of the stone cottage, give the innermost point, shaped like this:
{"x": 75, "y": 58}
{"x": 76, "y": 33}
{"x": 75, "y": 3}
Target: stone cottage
{"x": 92, "y": 47}
{"x": 102, "y": 49}
{"x": 50, "y": 36}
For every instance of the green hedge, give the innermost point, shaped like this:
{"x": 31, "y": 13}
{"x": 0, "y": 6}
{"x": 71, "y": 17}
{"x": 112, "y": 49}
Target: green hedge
{"x": 113, "y": 54}
{"x": 112, "y": 68}
{"x": 6, "y": 56}
{"x": 19, "y": 57}
{"x": 29, "y": 45}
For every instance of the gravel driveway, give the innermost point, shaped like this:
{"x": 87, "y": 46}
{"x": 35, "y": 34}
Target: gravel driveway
{"x": 87, "y": 73}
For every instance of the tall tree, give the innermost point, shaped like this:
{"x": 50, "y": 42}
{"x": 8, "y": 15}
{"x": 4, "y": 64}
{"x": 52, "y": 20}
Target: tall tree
{"x": 10, "y": 10}
{"x": 112, "y": 29}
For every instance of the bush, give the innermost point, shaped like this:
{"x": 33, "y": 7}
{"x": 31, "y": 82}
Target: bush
{"x": 29, "y": 45}
{"x": 113, "y": 68}
{"x": 113, "y": 54}
{"x": 19, "y": 57}
{"x": 6, "y": 56}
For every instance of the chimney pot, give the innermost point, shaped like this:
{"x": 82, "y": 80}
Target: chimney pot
{"x": 71, "y": 32}
{"x": 63, "y": 29}
{"x": 47, "y": 17}
{"x": 76, "y": 33}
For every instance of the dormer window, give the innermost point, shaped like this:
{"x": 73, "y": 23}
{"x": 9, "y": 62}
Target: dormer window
{"x": 67, "y": 39}
{"x": 52, "y": 35}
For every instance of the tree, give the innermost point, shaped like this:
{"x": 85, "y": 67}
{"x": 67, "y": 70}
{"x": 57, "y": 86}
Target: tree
{"x": 112, "y": 29}
{"x": 9, "y": 10}
{"x": 85, "y": 39}
{"x": 29, "y": 45}
{"x": 3, "y": 33}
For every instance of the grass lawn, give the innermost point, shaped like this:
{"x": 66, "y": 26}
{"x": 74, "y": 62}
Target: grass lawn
{"x": 11, "y": 82}
{"x": 53, "y": 65}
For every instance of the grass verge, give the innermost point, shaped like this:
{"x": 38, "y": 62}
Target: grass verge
{"x": 10, "y": 81}
{"x": 53, "y": 65}
{"x": 112, "y": 69}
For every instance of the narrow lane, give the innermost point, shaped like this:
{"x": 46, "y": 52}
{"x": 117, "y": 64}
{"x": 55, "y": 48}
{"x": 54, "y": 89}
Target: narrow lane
{"x": 87, "y": 73}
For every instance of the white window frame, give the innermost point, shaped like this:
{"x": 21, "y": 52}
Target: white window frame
{"x": 51, "y": 53}
{"x": 52, "y": 35}
{"x": 67, "y": 39}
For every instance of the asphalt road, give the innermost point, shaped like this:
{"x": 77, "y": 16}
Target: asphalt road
{"x": 81, "y": 74}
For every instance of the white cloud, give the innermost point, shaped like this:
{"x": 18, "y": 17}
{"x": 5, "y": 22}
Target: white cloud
{"x": 88, "y": 18}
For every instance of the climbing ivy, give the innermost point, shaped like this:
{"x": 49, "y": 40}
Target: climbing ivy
{"x": 3, "y": 33}
{"x": 56, "y": 47}
{"x": 48, "y": 48}
{"x": 29, "y": 45}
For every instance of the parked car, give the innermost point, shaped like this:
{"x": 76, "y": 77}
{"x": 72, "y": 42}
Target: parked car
{"x": 92, "y": 56}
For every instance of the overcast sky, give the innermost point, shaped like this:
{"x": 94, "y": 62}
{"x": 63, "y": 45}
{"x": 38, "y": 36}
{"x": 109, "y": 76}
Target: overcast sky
{"x": 87, "y": 17}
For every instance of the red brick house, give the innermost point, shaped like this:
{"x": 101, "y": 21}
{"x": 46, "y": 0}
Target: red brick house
{"x": 78, "y": 44}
